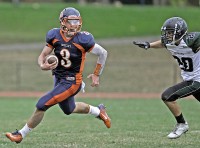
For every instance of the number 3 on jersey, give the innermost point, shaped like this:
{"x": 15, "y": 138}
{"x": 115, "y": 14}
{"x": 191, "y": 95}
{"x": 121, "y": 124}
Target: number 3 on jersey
{"x": 185, "y": 63}
{"x": 65, "y": 58}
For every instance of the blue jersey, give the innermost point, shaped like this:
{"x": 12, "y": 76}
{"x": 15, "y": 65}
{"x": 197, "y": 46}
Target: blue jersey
{"x": 70, "y": 52}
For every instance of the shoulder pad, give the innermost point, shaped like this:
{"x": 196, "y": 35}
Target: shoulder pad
{"x": 192, "y": 36}
{"x": 51, "y": 35}
{"x": 86, "y": 40}
{"x": 192, "y": 39}
{"x": 85, "y": 37}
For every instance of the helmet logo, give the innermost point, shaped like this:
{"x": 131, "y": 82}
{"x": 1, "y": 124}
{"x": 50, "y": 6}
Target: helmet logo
{"x": 180, "y": 23}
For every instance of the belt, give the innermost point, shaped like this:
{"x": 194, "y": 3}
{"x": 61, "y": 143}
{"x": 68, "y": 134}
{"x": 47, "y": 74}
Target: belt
{"x": 70, "y": 78}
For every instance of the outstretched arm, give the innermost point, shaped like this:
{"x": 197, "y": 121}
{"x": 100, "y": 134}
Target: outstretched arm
{"x": 156, "y": 44}
{"x": 102, "y": 55}
{"x": 146, "y": 45}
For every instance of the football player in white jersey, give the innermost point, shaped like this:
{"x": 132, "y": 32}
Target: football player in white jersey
{"x": 184, "y": 47}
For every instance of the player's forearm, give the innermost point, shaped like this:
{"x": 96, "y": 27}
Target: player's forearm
{"x": 40, "y": 60}
{"x": 102, "y": 56}
{"x": 46, "y": 51}
{"x": 156, "y": 44}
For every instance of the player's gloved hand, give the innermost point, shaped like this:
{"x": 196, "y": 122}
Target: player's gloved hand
{"x": 144, "y": 45}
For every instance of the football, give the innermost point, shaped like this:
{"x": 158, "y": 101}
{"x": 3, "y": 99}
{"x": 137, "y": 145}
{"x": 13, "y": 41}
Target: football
{"x": 51, "y": 59}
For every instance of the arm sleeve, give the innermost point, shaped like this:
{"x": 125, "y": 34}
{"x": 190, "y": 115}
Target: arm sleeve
{"x": 102, "y": 56}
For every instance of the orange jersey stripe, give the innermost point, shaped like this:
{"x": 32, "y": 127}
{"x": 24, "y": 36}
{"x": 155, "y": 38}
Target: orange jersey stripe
{"x": 55, "y": 40}
{"x": 63, "y": 36}
{"x": 79, "y": 75}
{"x": 64, "y": 95}
{"x": 49, "y": 45}
{"x": 79, "y": 47}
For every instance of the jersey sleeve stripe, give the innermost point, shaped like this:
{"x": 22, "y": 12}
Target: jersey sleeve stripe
{"x": 49, "y": 45}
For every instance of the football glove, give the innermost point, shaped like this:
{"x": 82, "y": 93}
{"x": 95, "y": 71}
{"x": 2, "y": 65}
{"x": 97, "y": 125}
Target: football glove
{"x": 144, "y": 45}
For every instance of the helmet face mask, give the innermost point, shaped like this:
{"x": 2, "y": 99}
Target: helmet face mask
{"x": 173, "y": 30}
{"x": 70, "y": 21}
{"x": 168, "y": 35}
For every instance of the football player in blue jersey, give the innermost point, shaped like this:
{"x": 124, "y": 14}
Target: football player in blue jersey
{"x": 184, "y": 47}
{"x": 70, "y": 45}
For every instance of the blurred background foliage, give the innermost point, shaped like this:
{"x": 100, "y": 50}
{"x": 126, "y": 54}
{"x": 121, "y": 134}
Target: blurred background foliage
{"x": 142, "y": 2}
{"x": 114, "y": 25}
{"x": 29, "y": 22}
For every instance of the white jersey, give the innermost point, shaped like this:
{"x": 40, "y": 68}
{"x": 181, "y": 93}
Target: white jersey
{"x": 188, "y": 57}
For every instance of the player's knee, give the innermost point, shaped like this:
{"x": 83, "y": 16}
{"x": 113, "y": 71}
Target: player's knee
{"x": 168, "y": 97}
{"x": 69, "y": 110}
{"x": 164, "y": 97}
{"x": 41, "y": 106}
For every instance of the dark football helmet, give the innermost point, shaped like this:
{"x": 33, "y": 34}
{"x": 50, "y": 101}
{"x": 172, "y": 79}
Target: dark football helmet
{"x": 173, "y": 30}
{"x": 70, "y": 21}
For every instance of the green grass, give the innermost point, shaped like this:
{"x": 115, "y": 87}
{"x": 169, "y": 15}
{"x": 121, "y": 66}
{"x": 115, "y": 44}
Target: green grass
{"x": 30, "y": 22}
{"x": 138, "y": 123}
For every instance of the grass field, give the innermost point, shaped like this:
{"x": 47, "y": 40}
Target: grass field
{"x": 136, "y": 123}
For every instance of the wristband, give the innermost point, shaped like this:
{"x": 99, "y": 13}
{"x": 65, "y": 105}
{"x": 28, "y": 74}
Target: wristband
{"x": 97, "y": 69}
